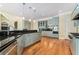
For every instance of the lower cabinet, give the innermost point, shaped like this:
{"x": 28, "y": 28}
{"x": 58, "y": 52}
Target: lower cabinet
{"x": 10, "y": 50}
{"x": 20, "y": 45}
{"x": 26, "y": 40}
{"x": 31, "y": 38}
{"x": 49, "y": 33}
{"x": 75, "y": 45}
{"x": 23, "y": 41}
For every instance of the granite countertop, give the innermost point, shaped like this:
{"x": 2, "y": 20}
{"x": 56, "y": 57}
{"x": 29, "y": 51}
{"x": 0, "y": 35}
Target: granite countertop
{"x": 16, "y": 32}
{"x": 48, "y": 29}
{"x": 12, "y": 33}
{"x": 8, "y": 44}
{"x": 75, "y": 35}
{"x": 4, "y": 34}
{"x": 3, "y": 37}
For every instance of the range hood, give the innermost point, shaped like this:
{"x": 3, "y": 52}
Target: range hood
{"x": 76, "y": 17}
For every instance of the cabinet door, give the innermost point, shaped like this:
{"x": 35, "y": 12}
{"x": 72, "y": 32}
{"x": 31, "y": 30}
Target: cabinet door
{"x": 20, "y": 44}
{"x": 27, "y": 40}
{"x": 31, "y": 38}
{"x": 75, "y": 46}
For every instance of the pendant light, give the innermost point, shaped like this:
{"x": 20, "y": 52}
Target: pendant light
{"x": 23, "y": 10}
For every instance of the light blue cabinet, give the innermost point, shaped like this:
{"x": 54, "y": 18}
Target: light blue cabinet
{"x": 26, "y": 40}
{"x": 42, "y": 24}
{"x": 49, "y": 34}
{"x": 31, "y": 38}
{"x": 75, "y": 11}
{"x": 53, "y": 22}
{"x": 20, "y": 45}
{"x": 75, "y": 44}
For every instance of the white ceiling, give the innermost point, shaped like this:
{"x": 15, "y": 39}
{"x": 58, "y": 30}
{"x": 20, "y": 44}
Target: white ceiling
{"x": 43, "y": 10}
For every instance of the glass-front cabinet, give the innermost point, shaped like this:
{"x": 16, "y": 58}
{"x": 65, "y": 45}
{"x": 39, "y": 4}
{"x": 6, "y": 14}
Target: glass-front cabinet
{"x": 3, "y": 23}
{"x": 75, "y": 18}
{"x": 42, "y": 25}
{"x": 76, "y": 25}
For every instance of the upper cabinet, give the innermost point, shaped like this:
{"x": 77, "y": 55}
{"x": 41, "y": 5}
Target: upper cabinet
{"x": 3, "y": 23}
{"x": 54, "y": 21}
{"x": 75, "y": 18}
{"x": 3, "y": 18}
{"x": 50, "y": 24}
{"x": 42, "y": 24}
{"x": 75, "y": 13}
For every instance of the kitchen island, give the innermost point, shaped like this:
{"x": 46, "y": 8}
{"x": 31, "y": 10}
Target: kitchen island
{"x": 17, "y": 40}
{"x": 26, "y": 40}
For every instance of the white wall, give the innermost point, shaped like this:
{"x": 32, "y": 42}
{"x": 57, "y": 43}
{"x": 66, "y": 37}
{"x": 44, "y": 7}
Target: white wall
{"x": 34, "y": 25}
{"x": 11, "y": 19}
{"x": 0, "y": 22}
{"x": 27, "y": 25}
{"x": 66, "y": 25}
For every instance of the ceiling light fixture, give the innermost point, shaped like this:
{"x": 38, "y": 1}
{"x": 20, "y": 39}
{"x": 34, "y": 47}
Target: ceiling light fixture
{"x": 34, "y": 9}
{"x": 30, "y": 20}
{"x": 23, "y": 10}
{"x": 34, "y": 21}
{"x": 23, "y": 18}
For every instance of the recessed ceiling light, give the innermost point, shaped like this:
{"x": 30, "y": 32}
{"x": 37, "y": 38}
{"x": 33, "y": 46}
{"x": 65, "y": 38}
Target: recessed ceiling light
{"x": 34, "y": 21}
{"x": 34, "y": 8}
{"x": 23, "y": 18}
{"x": 29, "y": 19}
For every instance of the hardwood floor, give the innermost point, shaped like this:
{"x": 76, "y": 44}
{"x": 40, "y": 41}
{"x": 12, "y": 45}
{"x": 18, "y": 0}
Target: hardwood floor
{"x": 49, "y": 46}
